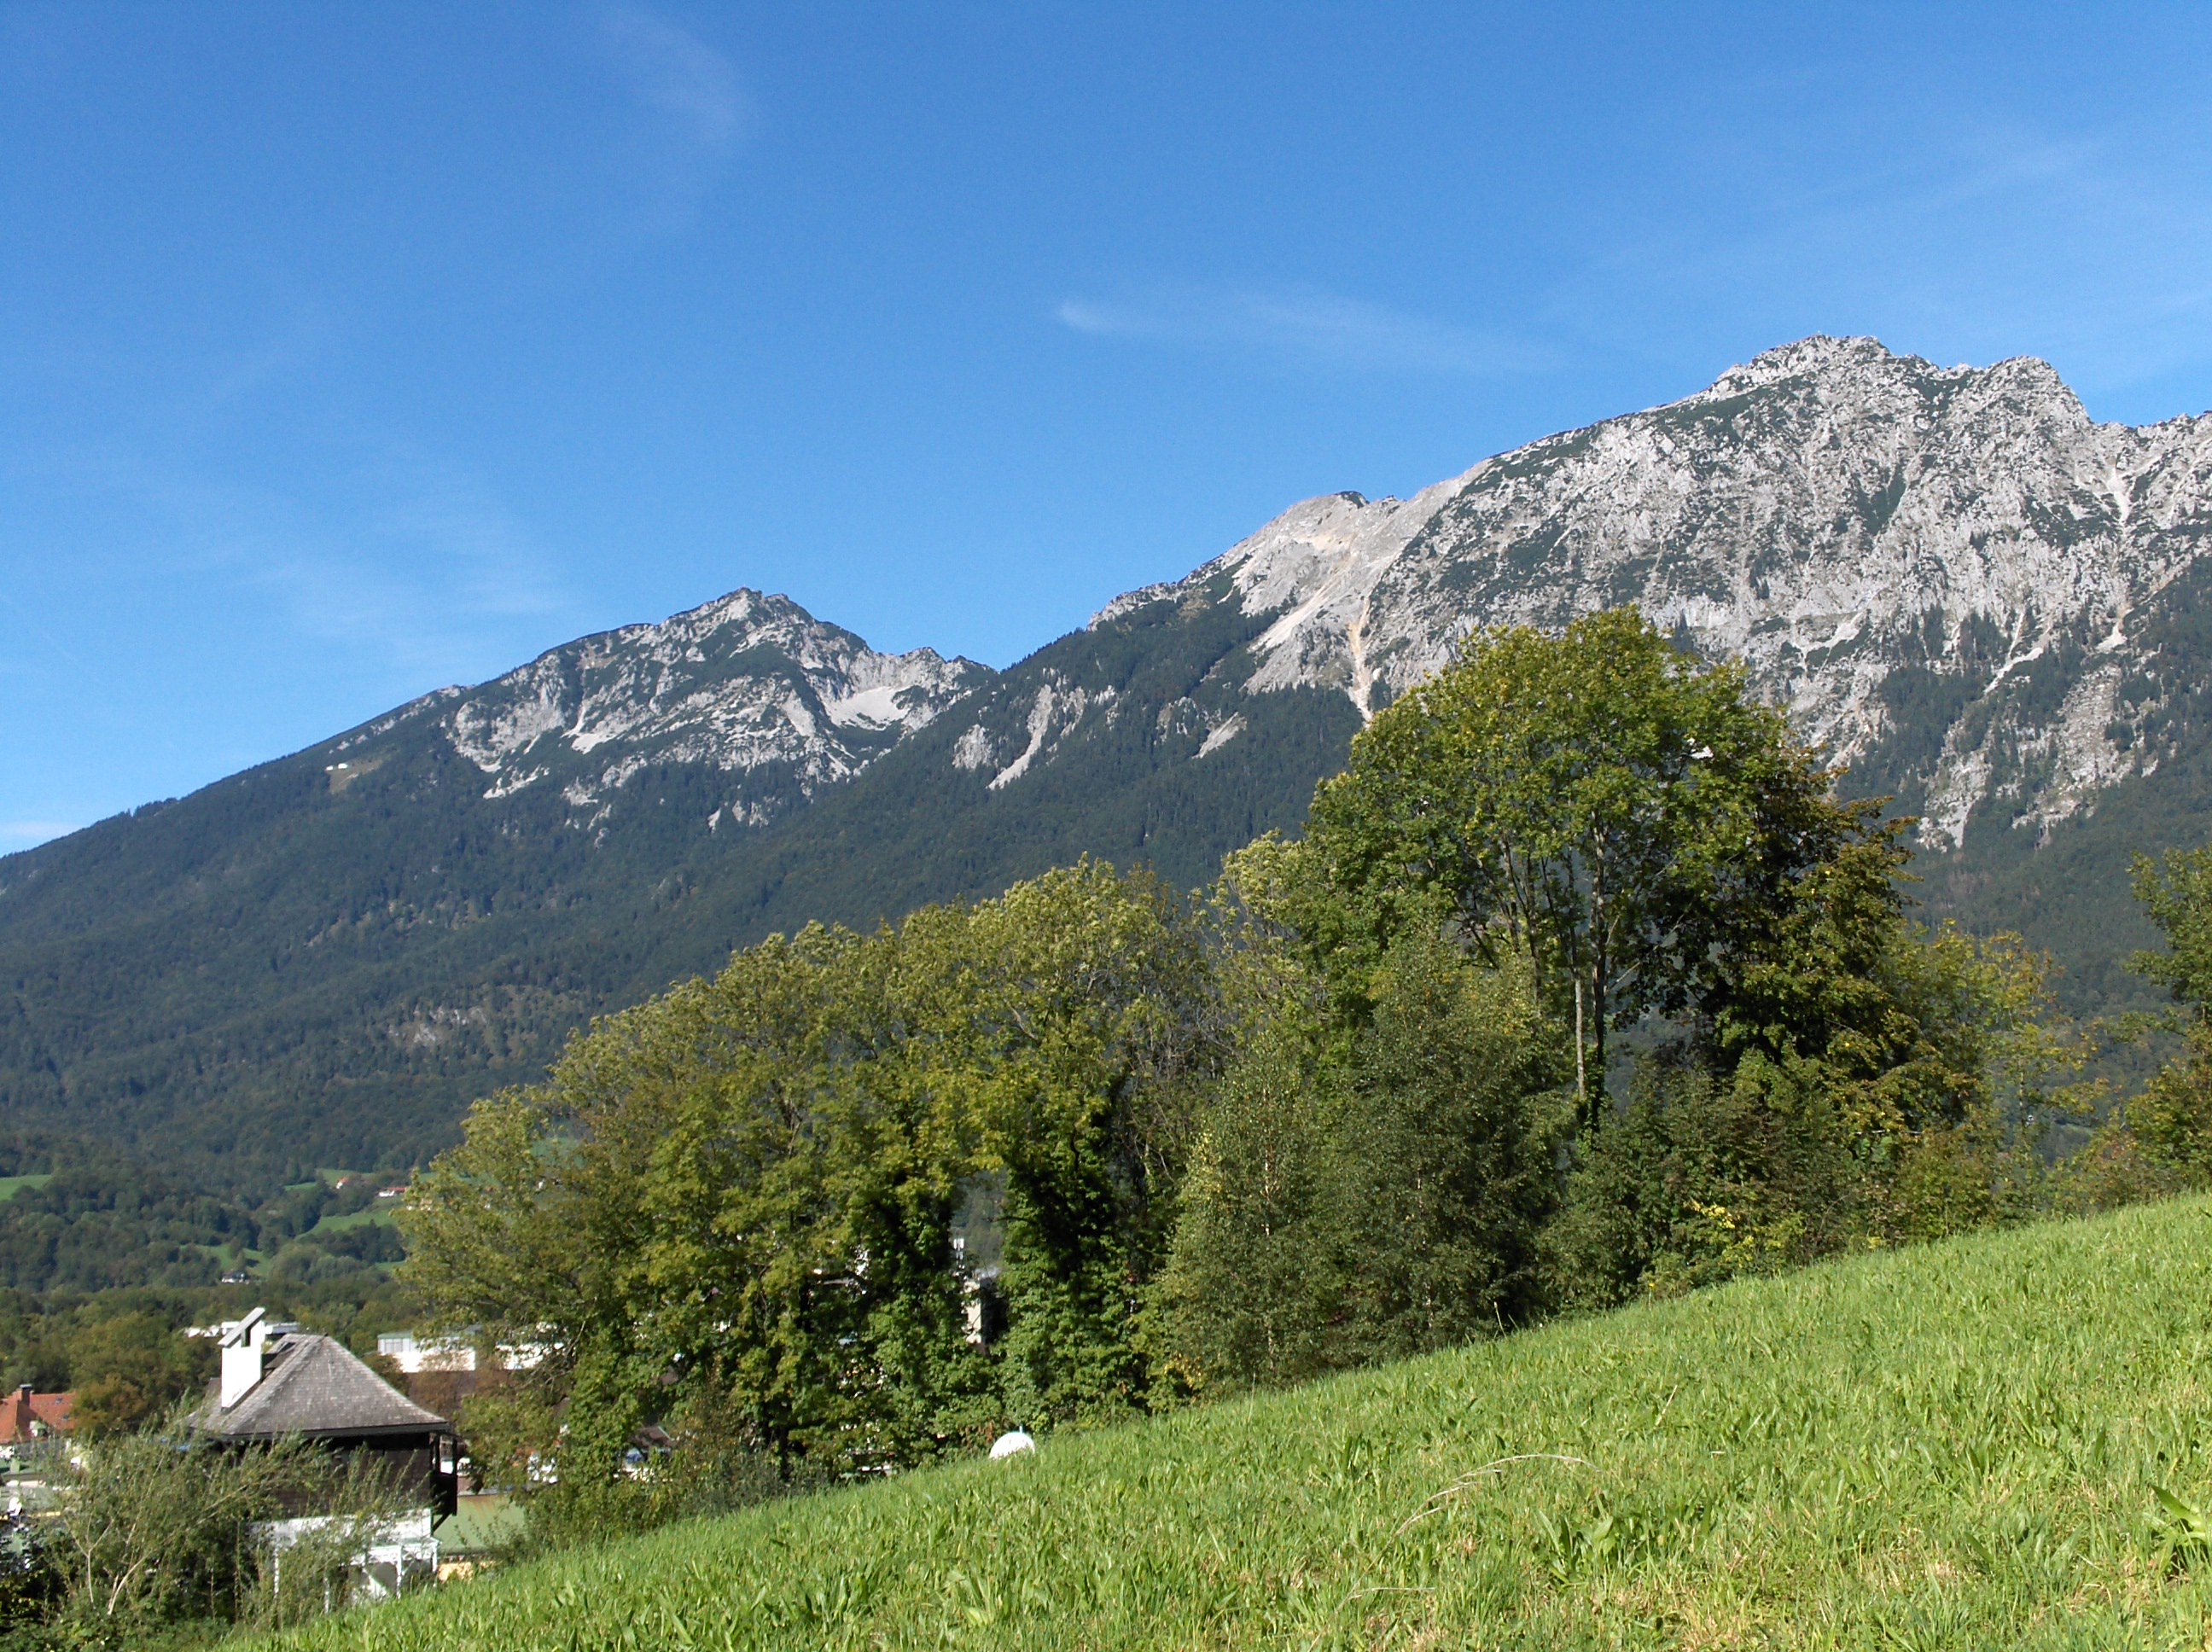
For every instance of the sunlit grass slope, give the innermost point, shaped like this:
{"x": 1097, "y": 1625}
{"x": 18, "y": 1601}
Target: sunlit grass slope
{"x": 1953, "y": 1446}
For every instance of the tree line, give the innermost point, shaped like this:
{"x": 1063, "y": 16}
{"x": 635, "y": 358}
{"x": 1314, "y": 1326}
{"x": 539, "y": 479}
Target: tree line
{"x": 1583, "y": 983}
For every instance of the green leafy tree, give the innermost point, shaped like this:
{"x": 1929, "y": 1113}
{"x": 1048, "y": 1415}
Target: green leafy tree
{"x": 2176, "y": 894}
{"x": 1626, "y": 828}
{"x": 1254, "y": 1292}
{"x": 1364, "y": 1186}
{"x": 725, "y": 1188}
{"x": 1619, "y": 816}
{"x": 1107, "y": 1025}
{"x": 2170, "y": 1123}
{"x": 740, "y": 1199}
{"x": 1448, "y": 1148}
{"x": 1903, "y": 1096}
{"x": 130, "y": 1369}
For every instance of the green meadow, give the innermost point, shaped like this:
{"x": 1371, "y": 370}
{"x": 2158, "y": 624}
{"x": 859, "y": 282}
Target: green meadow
{"x": 370, "y": 1217}
{"x": 1995, "y": 1441}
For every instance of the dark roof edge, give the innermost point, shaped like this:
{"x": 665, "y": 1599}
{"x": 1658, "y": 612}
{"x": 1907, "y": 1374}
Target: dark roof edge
{"x": 383, "y": 1430}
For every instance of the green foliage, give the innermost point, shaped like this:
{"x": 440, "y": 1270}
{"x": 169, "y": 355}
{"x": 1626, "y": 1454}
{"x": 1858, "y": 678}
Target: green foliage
{"x": 1956, "y": 1445}
{"x": 1702, "y": 1179}
{"x": 133, "y": 1368}
{"x": 1921, "y": 1114}
{"x": 743, "y": 1195}
{"x": 2171, "y": 1120}
{"x": 2176, "y": 895}
{"x": 1359, "y": 1196}
{"x": 99, "y": 1218}
{"x": 1448, "y": 1149}
{"x": 1648, "y": 848}
{"x": 31, "y": 1589}
{"x": 1619, "y": 816}
{"x": 1255, "y": 1285}
{"x": 2169, "y": 1125}
{"x": 155, "y": 1527}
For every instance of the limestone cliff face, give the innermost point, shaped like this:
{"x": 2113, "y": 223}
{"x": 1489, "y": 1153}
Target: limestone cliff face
{"x": 750, "y": 685}
{"x": 1952, "y": 577}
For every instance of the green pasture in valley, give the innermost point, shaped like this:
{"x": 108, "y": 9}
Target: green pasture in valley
{"x": 1996, "y": 1440}
{"x": 384, "y": 1214}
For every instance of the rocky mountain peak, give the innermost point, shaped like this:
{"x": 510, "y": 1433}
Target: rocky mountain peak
{"x": 749, "y": 682}
{"x": 1817, "y": 357}
{"x": 1952, "y": 577}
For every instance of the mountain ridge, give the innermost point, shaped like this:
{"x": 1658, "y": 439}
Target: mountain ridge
{"x": 1991, "y": 607}
{"x": 1394, "y": 603}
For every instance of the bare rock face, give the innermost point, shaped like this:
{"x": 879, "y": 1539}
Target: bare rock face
{"x": 748, "y": 682}
{"x": 1952, "y": 578}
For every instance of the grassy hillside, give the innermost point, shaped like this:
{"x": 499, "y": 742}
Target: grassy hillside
{"x": 1959, "y": 1445}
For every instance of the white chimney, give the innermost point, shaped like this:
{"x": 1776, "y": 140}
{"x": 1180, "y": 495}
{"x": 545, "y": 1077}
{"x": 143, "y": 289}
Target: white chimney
{"x": 242, "y": 1356}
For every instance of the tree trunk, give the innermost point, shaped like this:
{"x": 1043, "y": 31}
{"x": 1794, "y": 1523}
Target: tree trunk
{"x": 1594, "y": 1101}
{"x": 1600, "y": 980}
{"x": 1582, "y": 1075}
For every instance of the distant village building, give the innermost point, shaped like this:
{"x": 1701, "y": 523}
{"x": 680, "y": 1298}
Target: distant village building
{"x": 412, "y": 1354}
{"x": 25, "y": 1416}
{"x": 413, "y": 1357}
{"x": 34, "y": 1453}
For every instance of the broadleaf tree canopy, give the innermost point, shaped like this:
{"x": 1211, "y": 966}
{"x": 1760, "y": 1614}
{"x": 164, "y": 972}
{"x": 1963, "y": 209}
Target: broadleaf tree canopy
{"x": 1624, "y": 816}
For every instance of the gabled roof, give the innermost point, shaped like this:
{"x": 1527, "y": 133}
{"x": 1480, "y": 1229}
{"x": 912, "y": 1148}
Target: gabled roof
{"x": 313, "y": 1386}
{"x": 18, "y": 1410}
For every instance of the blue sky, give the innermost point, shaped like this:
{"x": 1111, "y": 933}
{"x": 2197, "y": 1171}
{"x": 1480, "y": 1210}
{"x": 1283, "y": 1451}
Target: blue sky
{"x": 347, "y": 352}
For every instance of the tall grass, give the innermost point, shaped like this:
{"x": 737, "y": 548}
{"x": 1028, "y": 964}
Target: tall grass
{"x": 1960, "y": 1445}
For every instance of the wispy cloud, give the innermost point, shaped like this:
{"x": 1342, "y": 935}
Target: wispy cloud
{"x": 424, "y": 566}
{"x": 408, "y": 567}
{"x": 191, "y": 592}
{"x": 1306, "y": 326}
{"x": 672, "y": 70}
{"x": 1971, "y": 241}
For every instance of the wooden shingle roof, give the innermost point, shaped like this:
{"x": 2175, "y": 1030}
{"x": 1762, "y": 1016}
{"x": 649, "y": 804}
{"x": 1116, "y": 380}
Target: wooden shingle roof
{"x": 313, "y": 1386}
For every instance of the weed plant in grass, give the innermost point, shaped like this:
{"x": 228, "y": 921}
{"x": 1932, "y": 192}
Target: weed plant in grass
{"x": 1959, "y": 1445}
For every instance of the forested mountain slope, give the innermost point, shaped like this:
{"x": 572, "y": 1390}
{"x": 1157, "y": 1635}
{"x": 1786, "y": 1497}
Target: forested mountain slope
{"x": 320, "y": 960}
{"x": 1983, "y": 602}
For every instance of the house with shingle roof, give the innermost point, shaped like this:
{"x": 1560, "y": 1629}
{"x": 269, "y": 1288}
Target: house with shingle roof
{"x": 278, "y": 1381}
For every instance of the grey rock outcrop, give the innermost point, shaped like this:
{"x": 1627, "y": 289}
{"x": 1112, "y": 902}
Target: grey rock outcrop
{"x": 1950, "y": 578}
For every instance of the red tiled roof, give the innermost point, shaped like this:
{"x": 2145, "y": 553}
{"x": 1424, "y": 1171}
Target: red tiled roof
{"x": 18, "y": 1410}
